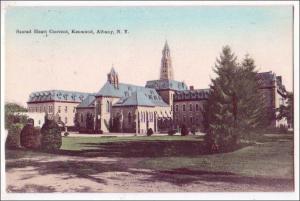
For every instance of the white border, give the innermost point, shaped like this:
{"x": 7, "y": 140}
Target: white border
{"x": 152, "y": 196}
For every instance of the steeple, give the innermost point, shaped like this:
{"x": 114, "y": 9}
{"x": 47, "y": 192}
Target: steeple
{"x": 166, "y": 69}
{"x": 113, "y": 78}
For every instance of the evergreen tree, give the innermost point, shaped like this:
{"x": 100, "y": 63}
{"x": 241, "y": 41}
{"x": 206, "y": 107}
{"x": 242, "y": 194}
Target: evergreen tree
{"x": 251, "y": 107}
{"x": 235, "y": 105}
{"x": 221, "y": 118}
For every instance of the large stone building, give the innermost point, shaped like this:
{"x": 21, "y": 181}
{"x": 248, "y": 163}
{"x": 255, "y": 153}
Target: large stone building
{"x": 58, "y": 104}
{"x": 160, "y": 104}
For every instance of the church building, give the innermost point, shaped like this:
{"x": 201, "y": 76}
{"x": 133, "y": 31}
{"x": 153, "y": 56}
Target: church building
{"x": 159, "y": 105}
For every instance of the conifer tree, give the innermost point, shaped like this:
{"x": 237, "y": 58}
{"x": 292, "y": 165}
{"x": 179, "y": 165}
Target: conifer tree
{"x": 222, "y": 103}
{"x": 235, "y": 105}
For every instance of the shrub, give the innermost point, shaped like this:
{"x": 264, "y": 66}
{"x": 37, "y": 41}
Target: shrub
{"x": 149, "y": 132}
{"x": 30, "y": 137}
{"x": 13, "y": 136}
{"x": 171, "y": 132}
{"x": 51, "y": 136}
{"x": 99, "y": 132}
{"x": 193, "y": 131}
{"x": 66, "y": 134}
{"x": 184, "y": 130}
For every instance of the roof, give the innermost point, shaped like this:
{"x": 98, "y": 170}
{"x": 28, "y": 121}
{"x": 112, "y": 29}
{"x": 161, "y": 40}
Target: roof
{"x": 268, "y": 79}
{"x": 197, "y": 94}
{"x": 136, "y": 99}
{"x": 57, "y": 95}
{"x": 132, "y": 95}
{"x": 166, "y": 84}
{"x": 89, "y": 101}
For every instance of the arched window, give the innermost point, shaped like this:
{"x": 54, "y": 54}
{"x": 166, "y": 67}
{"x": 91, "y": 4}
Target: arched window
{"x": 107, "y": 106}
{"x": 191, "y": 107}
{"x": 129, "y": 117}
{"x": 81, "y": 117}
{"x": 197, "y": 107}
{"x": 183, "y": 107}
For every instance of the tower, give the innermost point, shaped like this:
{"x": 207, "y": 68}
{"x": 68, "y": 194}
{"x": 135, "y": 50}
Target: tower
{"x": 113, "y": 78}
{"x": 166, "y": 69}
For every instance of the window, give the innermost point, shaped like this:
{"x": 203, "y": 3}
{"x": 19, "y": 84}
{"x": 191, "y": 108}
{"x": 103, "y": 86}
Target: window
{"x": 36, "y": 109}
{"x": 81, "y": 117}
{"x": 191, "y": 107}
{"x": 183, "y": 107}
{"x": 197, "y": 107}
{"x": 107, "y": 106}
{"x": 191, "y": 120}
{"x": 44, "y": 108}
{"x": 66, "y": 109}
{"x": 58, "y": 109}
{"x": 183, "y": 118}
{"x": 129, "y": 117}
{"x": 66, "y": 120}
{"x": 59, "y": 118}
{"x": 49, "y": 108}
{"x": 39, "y": 122}
{"x": 41, "y": 109}
{"x": 176, "y": 108}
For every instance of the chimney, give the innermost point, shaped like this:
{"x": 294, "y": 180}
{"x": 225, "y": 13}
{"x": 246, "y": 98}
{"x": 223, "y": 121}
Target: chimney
{"x": 191, "y": 88}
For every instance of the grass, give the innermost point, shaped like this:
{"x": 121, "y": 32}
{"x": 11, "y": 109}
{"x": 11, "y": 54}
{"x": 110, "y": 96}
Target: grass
{"x": 85, "y": 143}
{"x": 174, "y": 159}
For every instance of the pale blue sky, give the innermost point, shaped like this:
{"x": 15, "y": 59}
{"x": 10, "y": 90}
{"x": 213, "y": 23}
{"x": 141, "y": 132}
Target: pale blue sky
{"x": 195, "y": 34}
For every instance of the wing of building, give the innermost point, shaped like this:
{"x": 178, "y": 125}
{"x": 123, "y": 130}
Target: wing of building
{"x": 160, "y": 104}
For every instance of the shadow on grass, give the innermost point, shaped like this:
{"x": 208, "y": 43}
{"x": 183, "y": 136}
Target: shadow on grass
{"x": 184, "y": 176}
{"x": 68, "y": 169}
{"x": 153, "y": 148}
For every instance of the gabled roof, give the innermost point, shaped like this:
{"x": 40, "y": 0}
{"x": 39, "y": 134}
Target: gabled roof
{"x": 57, "y": 95}
{"x": 197, "y": 94}
{"x": 88, "y": 102}
{"x": 166, "y": 84}
{"x": 124, "y": 91}
{"x": 136, "y": 99}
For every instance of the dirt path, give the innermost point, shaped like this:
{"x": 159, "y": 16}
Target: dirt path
{"x": 100, "y": 174}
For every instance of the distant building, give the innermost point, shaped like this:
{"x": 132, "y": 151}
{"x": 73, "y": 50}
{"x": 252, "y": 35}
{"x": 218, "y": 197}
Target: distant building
{"x": 38, "y": 118}
{"x": 58, "y": 104}
{"x": 275, "y": 95}
{"x": 159, "y": 105}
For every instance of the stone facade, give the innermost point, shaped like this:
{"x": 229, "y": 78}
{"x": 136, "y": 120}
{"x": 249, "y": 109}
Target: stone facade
{"x": 57, "y": 104}
{"x": 160, "y": 105}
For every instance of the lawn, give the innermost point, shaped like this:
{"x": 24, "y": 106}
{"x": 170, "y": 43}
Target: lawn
{"x": 162, "y": 163}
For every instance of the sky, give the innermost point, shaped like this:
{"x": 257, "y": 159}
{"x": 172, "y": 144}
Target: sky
{"x": 196, "y": 35}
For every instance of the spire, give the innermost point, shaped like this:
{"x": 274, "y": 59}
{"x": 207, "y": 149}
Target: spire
{"x": 113, "y": 78}
{"x": 166, "y": 69}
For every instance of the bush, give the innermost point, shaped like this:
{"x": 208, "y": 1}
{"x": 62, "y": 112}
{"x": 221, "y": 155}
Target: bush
{"x": 184, "y": 130}
{"x": 149, "y": 132}
{"x": 13, "y": 136}
{"x": 51, "y": 136}
{"x": 171, "y": 132}
{"x": 30, "y": 137}
{"x": 66, "y": 134}
{"x": 99, "y": 132}
{"x": 193, "y": 131}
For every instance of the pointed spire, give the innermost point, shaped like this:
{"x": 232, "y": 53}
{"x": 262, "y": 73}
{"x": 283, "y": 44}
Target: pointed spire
{"x": 112, "y": 71}
{"x": 166, "y": 70}
{"x": 166, "y": 47}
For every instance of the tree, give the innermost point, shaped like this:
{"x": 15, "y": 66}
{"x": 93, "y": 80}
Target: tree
{"x": 30, "y": 137}
{"x": 12, "y": 118}
{"x": 287, "y": 111}
{"x": 235, "y": 105}
{"x": 51, "y": 136}
{"x": 221, "y": 104}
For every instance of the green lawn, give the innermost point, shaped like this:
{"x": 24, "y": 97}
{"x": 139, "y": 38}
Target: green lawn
{"x": 268, "y": 162}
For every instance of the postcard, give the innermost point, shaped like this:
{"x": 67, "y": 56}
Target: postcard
{"x": 149, "y": 100}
